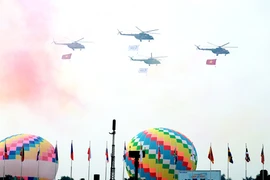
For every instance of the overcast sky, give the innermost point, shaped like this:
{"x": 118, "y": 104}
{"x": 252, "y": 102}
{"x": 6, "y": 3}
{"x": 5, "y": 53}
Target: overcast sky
{"x": 77, "y": 100}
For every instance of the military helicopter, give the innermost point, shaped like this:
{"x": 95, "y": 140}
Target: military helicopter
{"x": 219, "y": 50}
{"x": 143, "y": 35}
{"x": 150, "y": 60}
{"x": 73, "y": 45}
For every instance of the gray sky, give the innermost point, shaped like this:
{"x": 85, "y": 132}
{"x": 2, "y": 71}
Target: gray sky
{"x": 219, "y": 105}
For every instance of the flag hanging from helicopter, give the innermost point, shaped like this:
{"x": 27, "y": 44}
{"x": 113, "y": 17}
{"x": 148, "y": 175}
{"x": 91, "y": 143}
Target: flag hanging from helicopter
{"x": 143, "y": 70}
{"x": 66, "y": 56}
{"x": 211, "y": 61}
{"x": 133, "y": 47}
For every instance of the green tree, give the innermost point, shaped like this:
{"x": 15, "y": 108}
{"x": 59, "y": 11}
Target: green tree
{"x": 8, "y": 177}
{"x": 248, "y": 178}
{"x": 223, "y": 177}
{"x": 263, "y": 175}
{"x": 66, "y": 178}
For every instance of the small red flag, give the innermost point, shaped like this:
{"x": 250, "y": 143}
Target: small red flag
{"x": 66, "y": 56}
{"x": 211, "y": 62}
{"x": 89, "y": 154}
{"x": 71, "y": 152}
{"x": 6, "y": 154}
{"x": 22, "y": 153}
{"x": 107, "y": 155}
{"x": 262, "y": 156}
{"x": 159, "y": 155}
{"x": 210, "y": 155}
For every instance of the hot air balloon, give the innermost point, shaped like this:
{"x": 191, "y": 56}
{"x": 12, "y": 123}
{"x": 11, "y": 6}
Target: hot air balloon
{"x": 166, "y": 152}
{"x": 28, "y": 157}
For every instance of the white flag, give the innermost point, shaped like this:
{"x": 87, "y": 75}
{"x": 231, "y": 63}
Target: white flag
{"x": 143, "y": 70}
{"x": 133, "y": 47}
{"x": 141, "y": 154}
{"x": 192, "y": 158}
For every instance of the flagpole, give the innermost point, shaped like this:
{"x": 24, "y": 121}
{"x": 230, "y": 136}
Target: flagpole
{"x": 38, "y": 161}
{"x": 4, "y": 166}
{"x": 246, "y": 163}
{"x": 124, "y": 161}
{"x": 228, "y": 163}
{"x": 71, "y": 169}
{"x": 210, "y": 161}
{"x": 55, "y": 170}
{"x": 89, "y": 161}
{"x": 123, "y": 176}
{"x": 106, "y": 162}
{"x": 38, "y": 170}
{"x": 21, "y": 171}
{"x": 71, "y": 160}
{"x": 55, "y": 161}
{"x": 22, "y": 159}
{"x": 4, "y": 157}
{"x": 157, "y": 160}
{"x": 106, "y": 169}
{"x": 210, "y": 169}
{"x": 175, "y": 160}
{"x": 263, "y": 165}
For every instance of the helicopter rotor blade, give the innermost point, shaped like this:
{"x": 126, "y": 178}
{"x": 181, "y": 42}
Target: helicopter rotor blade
{"x": 158, "y": 57}
{"x": 151, "y": 30}
{"x": 79, "y": 40}
{"x": 230, "y": 47}
{"x": 86, "y": 42}
{"x": 139, "y": 29}
{"x": 212, "y": 44}
{"x": 224, "y": 44}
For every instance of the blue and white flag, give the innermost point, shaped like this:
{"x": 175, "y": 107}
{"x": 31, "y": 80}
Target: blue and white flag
{"x": 133, "y": 47}
{"x": 143, "y": 70}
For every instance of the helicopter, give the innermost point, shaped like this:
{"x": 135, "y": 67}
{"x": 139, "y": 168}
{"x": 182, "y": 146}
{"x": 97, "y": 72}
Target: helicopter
{"x": 150, "y": 60}
{"x": 218, "y": 50}
{"x": 73, "y": 45}
{"x": 143, "y": 35}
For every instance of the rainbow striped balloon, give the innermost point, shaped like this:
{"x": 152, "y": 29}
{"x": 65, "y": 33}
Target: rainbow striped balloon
{"x": 166, "y": 152}
{"x": 42, "y": 165}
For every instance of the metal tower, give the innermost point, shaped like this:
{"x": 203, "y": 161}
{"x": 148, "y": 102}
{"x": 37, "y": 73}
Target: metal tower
{"x": 112, "y": 173}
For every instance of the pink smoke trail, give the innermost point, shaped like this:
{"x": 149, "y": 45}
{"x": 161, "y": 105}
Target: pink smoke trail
{"x": 28, "y": 68}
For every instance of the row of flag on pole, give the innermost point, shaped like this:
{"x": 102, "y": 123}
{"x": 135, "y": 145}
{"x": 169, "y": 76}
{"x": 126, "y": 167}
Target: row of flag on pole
{"x": 230, "y": 157}
{"x": 6, "y": 156}
{"x": 88, "y": 153}
{"x": 210, "y": 154}
{"x": 72, "y": 152}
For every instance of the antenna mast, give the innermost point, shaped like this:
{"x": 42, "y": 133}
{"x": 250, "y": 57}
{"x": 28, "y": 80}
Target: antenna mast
{"x": 112, "y": 173}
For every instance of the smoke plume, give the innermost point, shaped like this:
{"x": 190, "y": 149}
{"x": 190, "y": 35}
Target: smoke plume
{"x": 29, "y": 67}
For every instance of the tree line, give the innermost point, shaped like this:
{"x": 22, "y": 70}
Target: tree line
{"x": 263, "y": 175}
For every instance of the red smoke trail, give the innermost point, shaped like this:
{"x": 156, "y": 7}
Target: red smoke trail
{"x": 28, "y": 69}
